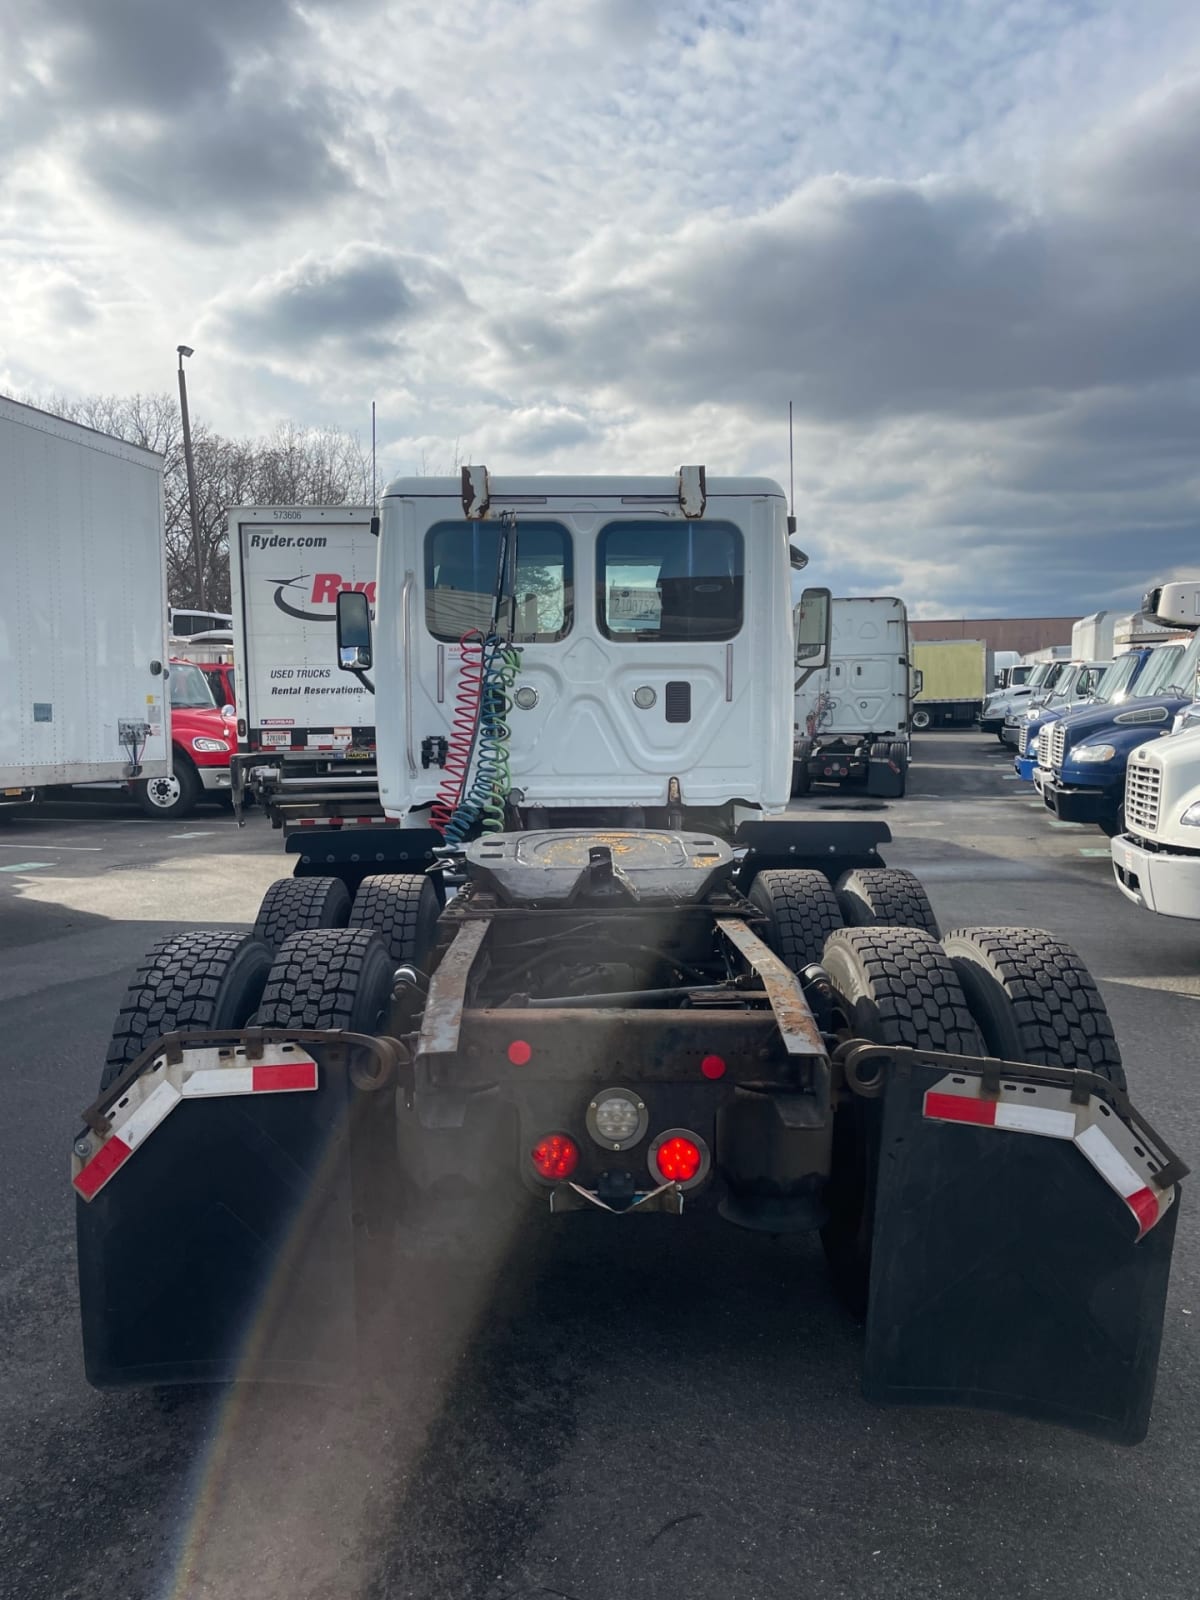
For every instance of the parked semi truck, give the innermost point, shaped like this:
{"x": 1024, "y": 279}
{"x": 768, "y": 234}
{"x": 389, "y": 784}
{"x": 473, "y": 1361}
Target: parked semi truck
{"x": 1016, "y": 698}
{"x": 1073, "y": 685}
{"x": 1082, "y": 767}
{"x": 306, "y": 733}
{"x": 83, "y": 639}
{"x": 1116, "y": 685}
{"x": 588, "y": 967}
{"x": 956, "y": 679}
{"x": 1156, "y": 860}
{"x": 852, "y": 714}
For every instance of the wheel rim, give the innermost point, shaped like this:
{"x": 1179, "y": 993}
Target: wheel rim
{"x": 163, "y": 792}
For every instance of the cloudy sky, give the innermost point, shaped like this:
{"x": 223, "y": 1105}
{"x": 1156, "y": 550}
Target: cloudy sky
{"x": 614, "y": 235}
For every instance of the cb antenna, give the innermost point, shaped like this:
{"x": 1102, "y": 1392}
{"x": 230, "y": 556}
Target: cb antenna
{"x": 374, "y": 479}
{"x": 791, "y": 521}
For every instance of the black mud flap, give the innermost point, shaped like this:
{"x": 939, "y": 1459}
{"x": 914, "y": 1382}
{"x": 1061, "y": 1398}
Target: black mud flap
{"x": 243, "y": 1240}
{"x": 1007, "y": 1273}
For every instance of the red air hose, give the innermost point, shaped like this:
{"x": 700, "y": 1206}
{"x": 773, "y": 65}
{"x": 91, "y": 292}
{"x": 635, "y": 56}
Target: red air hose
{"x": 464, "y": 724}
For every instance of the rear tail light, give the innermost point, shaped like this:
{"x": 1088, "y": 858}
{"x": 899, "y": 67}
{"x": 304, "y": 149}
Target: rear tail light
{"x": 679, "y": 1156}
{"x": 555, "y": 1157}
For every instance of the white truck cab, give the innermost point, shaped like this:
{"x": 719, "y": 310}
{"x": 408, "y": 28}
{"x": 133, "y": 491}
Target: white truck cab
{"x": 655, "y": 611}
{"x": 1156, "y": 859}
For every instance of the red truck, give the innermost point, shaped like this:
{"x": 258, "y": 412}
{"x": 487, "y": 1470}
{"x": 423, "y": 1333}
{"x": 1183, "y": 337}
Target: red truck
{"x": 202, "y": 741}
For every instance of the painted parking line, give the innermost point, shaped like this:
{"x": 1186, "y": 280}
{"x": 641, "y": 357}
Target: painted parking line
{"x": 26, "y": 866}
{"x": 197, "y": 833}
{"x": 6, "y": 846}
{"x": 1090, "y": 850}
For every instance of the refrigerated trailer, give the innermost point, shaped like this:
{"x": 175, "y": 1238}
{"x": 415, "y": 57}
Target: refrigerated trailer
{"x": 83, "y": 612}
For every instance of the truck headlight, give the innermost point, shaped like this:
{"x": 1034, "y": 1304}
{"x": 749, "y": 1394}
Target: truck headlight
{"x": 1093, "y": 752}
{"x": 1191, "y": 817}
{"x": 209, "y": 745}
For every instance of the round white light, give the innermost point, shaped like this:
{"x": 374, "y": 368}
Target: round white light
{"x": 526, "y": 698}
{"x": 644, "y": 697}
{"x": 617, "y": 1119}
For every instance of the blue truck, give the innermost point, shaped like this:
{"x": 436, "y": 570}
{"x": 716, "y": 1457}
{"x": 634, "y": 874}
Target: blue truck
{"x": 1081, "y": 772}
{"x": 1116, "y": 685}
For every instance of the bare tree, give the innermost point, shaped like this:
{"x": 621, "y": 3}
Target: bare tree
{"x": 292, "y": 466}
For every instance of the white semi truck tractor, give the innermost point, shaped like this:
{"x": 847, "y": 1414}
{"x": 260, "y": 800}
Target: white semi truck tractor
{"x": 584, "y": 965}
{"x": 853, "y": 713}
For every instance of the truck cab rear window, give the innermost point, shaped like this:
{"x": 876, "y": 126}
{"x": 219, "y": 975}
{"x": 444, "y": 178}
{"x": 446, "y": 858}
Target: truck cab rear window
{"x": 669, "y": 580}
{"x": 460, "y": 580}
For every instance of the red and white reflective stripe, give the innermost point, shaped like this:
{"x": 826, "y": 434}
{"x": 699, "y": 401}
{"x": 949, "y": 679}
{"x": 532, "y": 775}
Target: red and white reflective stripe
{"x": 1145, "y": 1202}
{"x": 203, "y": 1074}
{"x": 1118, "y": 1154}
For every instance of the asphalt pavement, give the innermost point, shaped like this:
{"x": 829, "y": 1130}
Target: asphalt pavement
{"x": 640, "y": 1411}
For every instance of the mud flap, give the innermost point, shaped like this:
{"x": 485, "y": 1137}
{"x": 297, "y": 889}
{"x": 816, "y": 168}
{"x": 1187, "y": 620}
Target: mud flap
{"x": 1007, "y": 1272}
{"x": 242, "y": 1240}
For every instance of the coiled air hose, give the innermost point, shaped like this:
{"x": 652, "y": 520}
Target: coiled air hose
{"x": 480, "y": 737}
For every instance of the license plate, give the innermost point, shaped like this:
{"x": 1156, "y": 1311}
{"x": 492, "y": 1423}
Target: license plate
{"x": 271, "y": 739}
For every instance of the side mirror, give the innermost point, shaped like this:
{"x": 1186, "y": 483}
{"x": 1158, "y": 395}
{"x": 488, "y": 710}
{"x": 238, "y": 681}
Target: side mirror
{"x": 797, "y": 557}
{"x": 918, "y": 680}
{"x": 353, "y": 631}
{"x": 813, "y": 617}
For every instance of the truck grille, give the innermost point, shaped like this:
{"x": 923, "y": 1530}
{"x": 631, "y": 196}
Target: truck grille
{"x": 1023, "y": 739}
{"x": 1058, "y": 746}
{"x": 1142, "y": 785}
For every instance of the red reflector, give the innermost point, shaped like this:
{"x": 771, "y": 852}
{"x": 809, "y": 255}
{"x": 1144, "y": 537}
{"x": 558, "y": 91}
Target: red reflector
{"x": 555, "y": 1156}
{"x": 678, "y": 1160}
{"x": 960, "y": 1108}
{"x": 1144, "y": 1205}
{"x": 102, "y": 1166}
{"x": 713, "y": 1067}
{"x": 293, "y": 1075}
{"x": 520, "y": 1053}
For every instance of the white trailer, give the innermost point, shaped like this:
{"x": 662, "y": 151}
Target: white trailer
{"x": 83, "y": 613}
{"x": 852, "y": 716}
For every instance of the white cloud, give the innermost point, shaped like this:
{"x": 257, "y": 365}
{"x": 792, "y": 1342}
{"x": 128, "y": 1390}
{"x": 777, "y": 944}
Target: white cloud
{"x": 608, "y": 235}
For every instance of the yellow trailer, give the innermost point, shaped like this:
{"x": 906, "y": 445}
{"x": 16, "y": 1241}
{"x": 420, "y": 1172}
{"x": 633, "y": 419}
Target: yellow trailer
{"x": 955, "y": 676}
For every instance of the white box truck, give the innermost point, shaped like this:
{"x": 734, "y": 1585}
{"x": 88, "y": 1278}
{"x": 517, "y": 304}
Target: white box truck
{"x": 852, "y": 715}
{"x": 306, "y": 732}
{"x": 83, "y": 611}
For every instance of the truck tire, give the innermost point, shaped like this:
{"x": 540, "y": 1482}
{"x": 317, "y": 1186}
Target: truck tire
{"x": 403, "y": 909}
{"x": 885, "y": 773}
{"x": 168, "y": 799}
{"x": 921, "y": 718}
{"x": 800, "y": 780}
{"x": 1034, "y": 1000}
{"x": 329, "y": 978}
{"x": 801, "y": 911}
{"x": 892, "y": 897}
{"x": 892, "y": 986}
{"x": 203, "y": 979}
{"x": 293, "y": 905}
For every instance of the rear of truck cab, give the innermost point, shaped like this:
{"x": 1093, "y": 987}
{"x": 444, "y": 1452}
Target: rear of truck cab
{"x": 667, "y": 708}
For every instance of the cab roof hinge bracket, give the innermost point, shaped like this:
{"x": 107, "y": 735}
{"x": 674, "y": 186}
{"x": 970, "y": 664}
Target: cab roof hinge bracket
{"x": 476, "y": 493}
{"x": 693, "y": 491}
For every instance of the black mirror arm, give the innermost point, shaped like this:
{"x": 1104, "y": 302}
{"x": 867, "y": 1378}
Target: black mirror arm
{"x": 357, "y": 672}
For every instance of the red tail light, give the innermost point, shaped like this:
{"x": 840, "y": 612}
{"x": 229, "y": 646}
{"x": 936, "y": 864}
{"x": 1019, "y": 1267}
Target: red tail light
{"x": 678, "y": 1159}
{"x": 555, "y": 1157}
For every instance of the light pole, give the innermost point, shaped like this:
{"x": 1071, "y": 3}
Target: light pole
{"x": 197, "y": 557}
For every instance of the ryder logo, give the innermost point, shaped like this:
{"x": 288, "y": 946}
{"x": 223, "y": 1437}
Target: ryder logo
{"x": 318, "y": 589}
